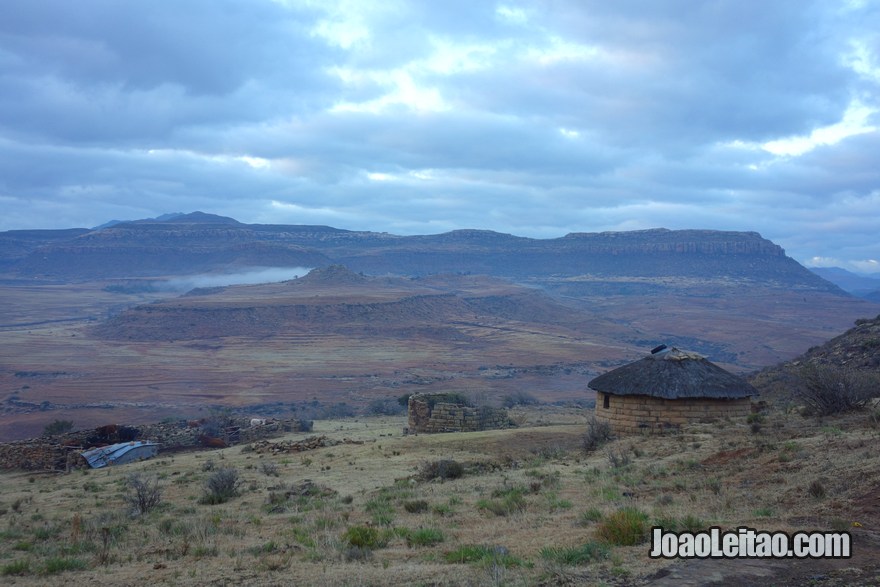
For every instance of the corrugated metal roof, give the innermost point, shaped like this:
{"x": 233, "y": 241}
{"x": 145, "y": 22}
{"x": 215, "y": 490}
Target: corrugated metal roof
{"x": 673, "y": 374}
{"x": 116, "y": 453}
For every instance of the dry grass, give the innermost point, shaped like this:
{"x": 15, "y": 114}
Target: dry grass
{"x": 352, "y": 526}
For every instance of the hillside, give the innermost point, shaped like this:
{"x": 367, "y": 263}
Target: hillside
{"x": 335, "y": 300}
{"x": 366, "y": 505}
{"x": 858, "y": 348}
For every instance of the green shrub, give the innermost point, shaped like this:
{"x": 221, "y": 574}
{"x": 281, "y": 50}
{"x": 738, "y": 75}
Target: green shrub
{"x": 505, "y": 501}
{"x": 364, "y": 537}
{"x": 424, "y": 537}
{"x": 19, "y": 567}
{"x": 497, "y": 555}
{"x": 381, "y": 509}
{"x": 590, "y": 516}
{"x": 625, "y": 527}
{"x": 61, "y": 564}
{"x": 577, "y": 555}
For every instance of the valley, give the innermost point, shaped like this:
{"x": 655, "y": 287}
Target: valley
{"x": 91, "y": 332}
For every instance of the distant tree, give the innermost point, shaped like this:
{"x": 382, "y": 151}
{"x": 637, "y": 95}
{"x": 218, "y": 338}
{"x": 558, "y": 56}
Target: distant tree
{"x": 58, "y": 427}
{"x": 384, "y": 407}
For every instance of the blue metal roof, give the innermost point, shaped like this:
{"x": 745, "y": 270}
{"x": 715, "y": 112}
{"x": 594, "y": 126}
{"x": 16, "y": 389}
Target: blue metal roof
{"x": 120, "y": 453}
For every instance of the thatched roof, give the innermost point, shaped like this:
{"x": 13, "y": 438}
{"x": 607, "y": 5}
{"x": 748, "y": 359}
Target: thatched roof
{"x": 673, "y": 374}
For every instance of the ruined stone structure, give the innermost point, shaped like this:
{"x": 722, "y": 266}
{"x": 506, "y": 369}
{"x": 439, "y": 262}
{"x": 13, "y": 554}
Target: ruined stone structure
{"x": 667, "y": 389}
{"x": 61, "y": 453}
{"x": 441, "y": 413}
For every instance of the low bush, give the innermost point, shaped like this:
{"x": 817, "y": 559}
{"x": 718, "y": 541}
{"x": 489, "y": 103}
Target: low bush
{"x": 58, "y": 427}
{"x": 817, "y": 489}
{"x": 625, "y": 527}
{"x": 829, "y": 389}
{"x": 363, "y": 537}
{"x": 442, "y": 469}
{"x": 269, "y": 468}
{"x": 416, "y": 506}
{"x": 220, "y": 487}
{"x": 598, "y": 433}
{"x": 505, "y": 501}
{"x": 591, "y": 516}
{"x": 145, "y": 493}
{"x": 19, "y": 567}
{"x": 424, "y": 537}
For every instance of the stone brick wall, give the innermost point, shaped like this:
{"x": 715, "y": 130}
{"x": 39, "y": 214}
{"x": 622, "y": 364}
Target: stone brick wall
{"x": 61, "y": 453}
{"x": 428, "y": 416}
{"x": 629, "y": 414}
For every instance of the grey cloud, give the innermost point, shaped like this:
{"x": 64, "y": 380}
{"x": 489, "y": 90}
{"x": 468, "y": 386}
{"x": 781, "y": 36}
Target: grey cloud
{"x": 127, "y": 110}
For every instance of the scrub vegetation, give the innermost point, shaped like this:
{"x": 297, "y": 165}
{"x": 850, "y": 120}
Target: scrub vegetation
{"x": 524, "y": 506}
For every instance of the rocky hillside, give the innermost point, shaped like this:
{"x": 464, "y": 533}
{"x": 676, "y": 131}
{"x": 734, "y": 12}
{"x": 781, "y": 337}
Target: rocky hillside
{"x": 857, "y": 348}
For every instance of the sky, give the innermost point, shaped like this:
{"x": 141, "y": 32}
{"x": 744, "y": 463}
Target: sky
{"x": 536, "y": 118}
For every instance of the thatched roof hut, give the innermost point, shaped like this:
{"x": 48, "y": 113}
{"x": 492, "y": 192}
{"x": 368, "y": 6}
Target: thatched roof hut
{"x": 669, "y": 388}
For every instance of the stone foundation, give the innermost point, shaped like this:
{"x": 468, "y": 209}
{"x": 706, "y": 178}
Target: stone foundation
{"x": 631, "y": 414}
{"x": 428, "y": 415}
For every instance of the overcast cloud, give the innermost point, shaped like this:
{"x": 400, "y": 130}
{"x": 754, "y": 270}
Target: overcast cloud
{"x": 536, "y": 118}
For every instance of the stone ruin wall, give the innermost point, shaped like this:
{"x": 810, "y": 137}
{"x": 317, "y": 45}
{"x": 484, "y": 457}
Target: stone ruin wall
{"x": 632, "y": 414}
{"x": 62, "y": 453}
{"x": 449, "y": 417}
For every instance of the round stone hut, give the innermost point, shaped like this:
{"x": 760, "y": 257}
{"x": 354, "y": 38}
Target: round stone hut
{"x": 666, "y": 389}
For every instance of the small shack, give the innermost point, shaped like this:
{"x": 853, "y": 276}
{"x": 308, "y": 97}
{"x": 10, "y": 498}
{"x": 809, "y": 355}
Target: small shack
{"x": 120, "y": 454}
{"x": 666, "y": 389}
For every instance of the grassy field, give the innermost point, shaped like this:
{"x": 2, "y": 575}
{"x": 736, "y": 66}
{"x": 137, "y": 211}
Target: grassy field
{"x": 530, "y": 505}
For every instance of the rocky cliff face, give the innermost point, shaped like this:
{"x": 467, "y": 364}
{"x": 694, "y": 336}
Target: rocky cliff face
{"x": 190, "y": 244}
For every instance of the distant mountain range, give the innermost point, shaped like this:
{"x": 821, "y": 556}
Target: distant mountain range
{"x": 864, "y": 286}
{"x": 181, "y": 244}
{"x": 95, "y": 317}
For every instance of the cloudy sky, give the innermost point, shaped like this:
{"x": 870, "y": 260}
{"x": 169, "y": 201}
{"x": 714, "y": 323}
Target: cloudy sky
{"x": 536, "y": 118}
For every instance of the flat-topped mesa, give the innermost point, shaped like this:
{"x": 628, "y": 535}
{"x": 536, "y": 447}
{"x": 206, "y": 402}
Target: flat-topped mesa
{"x": 662, "y": 240}
{"x": 201, "y": 243}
